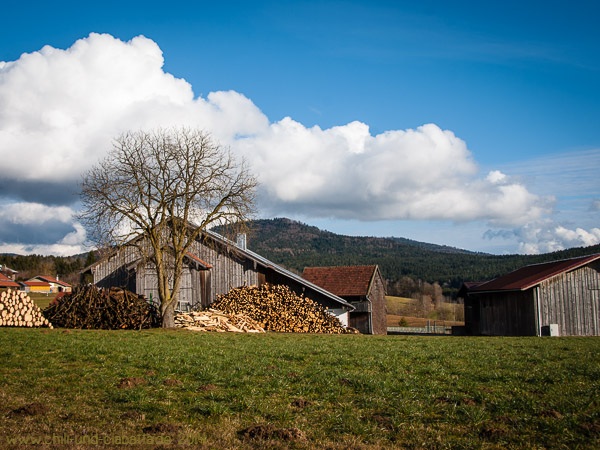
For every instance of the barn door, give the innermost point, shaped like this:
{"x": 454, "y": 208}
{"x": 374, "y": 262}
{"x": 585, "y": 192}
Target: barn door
{"x": 185, "y": 292}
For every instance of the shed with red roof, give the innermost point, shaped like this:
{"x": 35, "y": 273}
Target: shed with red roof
{"x": 554, "y": 298}
{"x": 362, "y": 286}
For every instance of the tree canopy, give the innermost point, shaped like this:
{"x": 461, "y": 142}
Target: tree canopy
{"x": 155, "y": 184}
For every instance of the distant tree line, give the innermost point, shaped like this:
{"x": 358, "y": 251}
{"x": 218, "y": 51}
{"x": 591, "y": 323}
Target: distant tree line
{"x": 410, "y": 268}
{"x": 65, "y": 268}
{"x": 295, "y": 245}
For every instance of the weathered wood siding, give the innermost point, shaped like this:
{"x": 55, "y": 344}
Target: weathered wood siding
{"x": 214, "y": 269}
{"x": 361, "y": 321}
{"x": 117, "y": 270}
{"x": 229, "y": 269}
{"x": 378, "y": 306}
{"x": 572, "y": 300}
{"x": 507, "y": 314}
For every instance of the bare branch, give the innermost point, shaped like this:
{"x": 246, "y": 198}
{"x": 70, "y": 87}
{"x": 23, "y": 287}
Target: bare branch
{"x": 155, "y": 185}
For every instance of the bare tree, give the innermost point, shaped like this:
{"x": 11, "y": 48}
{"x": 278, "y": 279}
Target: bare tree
{"x": 158, "y": 191}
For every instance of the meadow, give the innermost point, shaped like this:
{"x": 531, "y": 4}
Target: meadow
{"x": 180, "y": 389}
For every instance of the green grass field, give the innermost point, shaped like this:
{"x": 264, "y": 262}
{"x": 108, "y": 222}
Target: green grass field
{"x": 185, "y": 390}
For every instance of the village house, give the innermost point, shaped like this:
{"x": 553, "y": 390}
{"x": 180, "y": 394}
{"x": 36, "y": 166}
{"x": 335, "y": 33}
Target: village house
{"x": 362, "y": 286}
{"x": 554, "y": 298}
{"x": 214, "y": 266}
{"x": 7, "y": 283}
{"x": 45, "y": 284}
{"x": 8, "y": 272}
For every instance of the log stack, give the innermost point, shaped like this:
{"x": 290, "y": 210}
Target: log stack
{"x": 18, "y": 310}
{"x": 108, "y": 309}
{"x": 277, "y": 308}
{"x": 213, "y": 320}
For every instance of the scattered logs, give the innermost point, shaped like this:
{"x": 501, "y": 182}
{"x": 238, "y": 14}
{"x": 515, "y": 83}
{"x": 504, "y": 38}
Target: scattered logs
{"x": 108, "y": 309}
{"x": 213, "y": 320}
{"x": 18, "y": 310}
{"x": 277, "y": 308}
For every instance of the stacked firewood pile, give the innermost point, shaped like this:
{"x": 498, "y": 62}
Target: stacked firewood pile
{"x": 277, "y": 308}
{"x": 213, "y": 320}
{"x": 107, "y": 309}
{"x": 18, "y": 310}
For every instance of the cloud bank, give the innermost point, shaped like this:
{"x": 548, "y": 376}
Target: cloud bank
{"x": 60, "y": 109}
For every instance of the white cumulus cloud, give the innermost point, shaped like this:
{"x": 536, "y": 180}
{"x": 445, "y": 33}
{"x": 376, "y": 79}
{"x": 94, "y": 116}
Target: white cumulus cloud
{"x": 60, "y": 109}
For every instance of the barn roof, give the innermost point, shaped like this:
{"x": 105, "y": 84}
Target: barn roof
{"x": 347, "y": 281}
{"x": 532, "y": 275}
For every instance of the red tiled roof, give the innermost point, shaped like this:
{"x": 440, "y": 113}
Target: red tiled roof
{"x": 50, "y": 280}
{"x": 529, "y": 276}
{"x": 6, "y": 282}
{"x": 342, "y": 281}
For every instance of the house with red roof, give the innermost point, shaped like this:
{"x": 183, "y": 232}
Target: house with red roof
{"x": 42, "y": 283}
{"x": 553, "y": 298}
{"x": 7, "y": 283}
{"x": 361, "y": 286}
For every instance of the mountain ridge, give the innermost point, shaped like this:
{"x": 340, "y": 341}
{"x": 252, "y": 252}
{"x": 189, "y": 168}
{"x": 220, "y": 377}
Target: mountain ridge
{"x": 296, "y": 245}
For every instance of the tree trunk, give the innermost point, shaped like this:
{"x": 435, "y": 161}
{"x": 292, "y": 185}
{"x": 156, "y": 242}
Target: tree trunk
{"x": 168, "y": 315}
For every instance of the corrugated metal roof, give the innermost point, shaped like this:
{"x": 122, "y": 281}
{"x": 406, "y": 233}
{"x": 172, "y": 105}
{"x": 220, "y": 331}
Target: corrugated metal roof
{"x": 342, "y": 280}
{"x": 532, "y": 275}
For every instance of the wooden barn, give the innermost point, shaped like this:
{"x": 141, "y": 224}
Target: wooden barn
{"x": 213, "y": 267}
{"x": 361, "y": 286}
{"x": 554, "y": 298}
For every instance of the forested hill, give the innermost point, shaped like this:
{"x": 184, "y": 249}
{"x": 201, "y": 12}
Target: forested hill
{"x": 295, "y": 245}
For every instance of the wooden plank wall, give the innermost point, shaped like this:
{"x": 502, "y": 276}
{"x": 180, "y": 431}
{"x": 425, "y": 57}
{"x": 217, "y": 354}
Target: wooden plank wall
{"x": 378, "y": 307}
{"x": 112, "y": 271}
{"x": 507, "y": 314}
{"x": 572, "y": 300}
{"x": 229, "y": 269}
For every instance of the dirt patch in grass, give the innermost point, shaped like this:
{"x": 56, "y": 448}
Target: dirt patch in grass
{"x": 493, "y": 431}
{"x": 592, "y": 429}
{"x": 301, "y": 403}
{"x": 269, "y": 432}
{"x": 172, "y": 382}
{"x": 130, "y": 382}
{"x": 208, "y": 387}
{"x": 384, "y": 421}
{"x": 31, "y": 409}
{"x": 465, "y": 401}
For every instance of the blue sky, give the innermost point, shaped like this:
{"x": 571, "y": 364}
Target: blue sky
{"x": 472, "y": 124}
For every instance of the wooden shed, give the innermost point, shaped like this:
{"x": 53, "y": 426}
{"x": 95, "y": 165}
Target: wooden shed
{"x": 361, "y": 286}
{"x": 214, "y": 266}
{"x": 554, "y": 298}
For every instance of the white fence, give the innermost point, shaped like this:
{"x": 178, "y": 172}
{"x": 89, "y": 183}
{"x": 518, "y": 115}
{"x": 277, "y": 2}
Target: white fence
{"x": 432, "y": 327}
